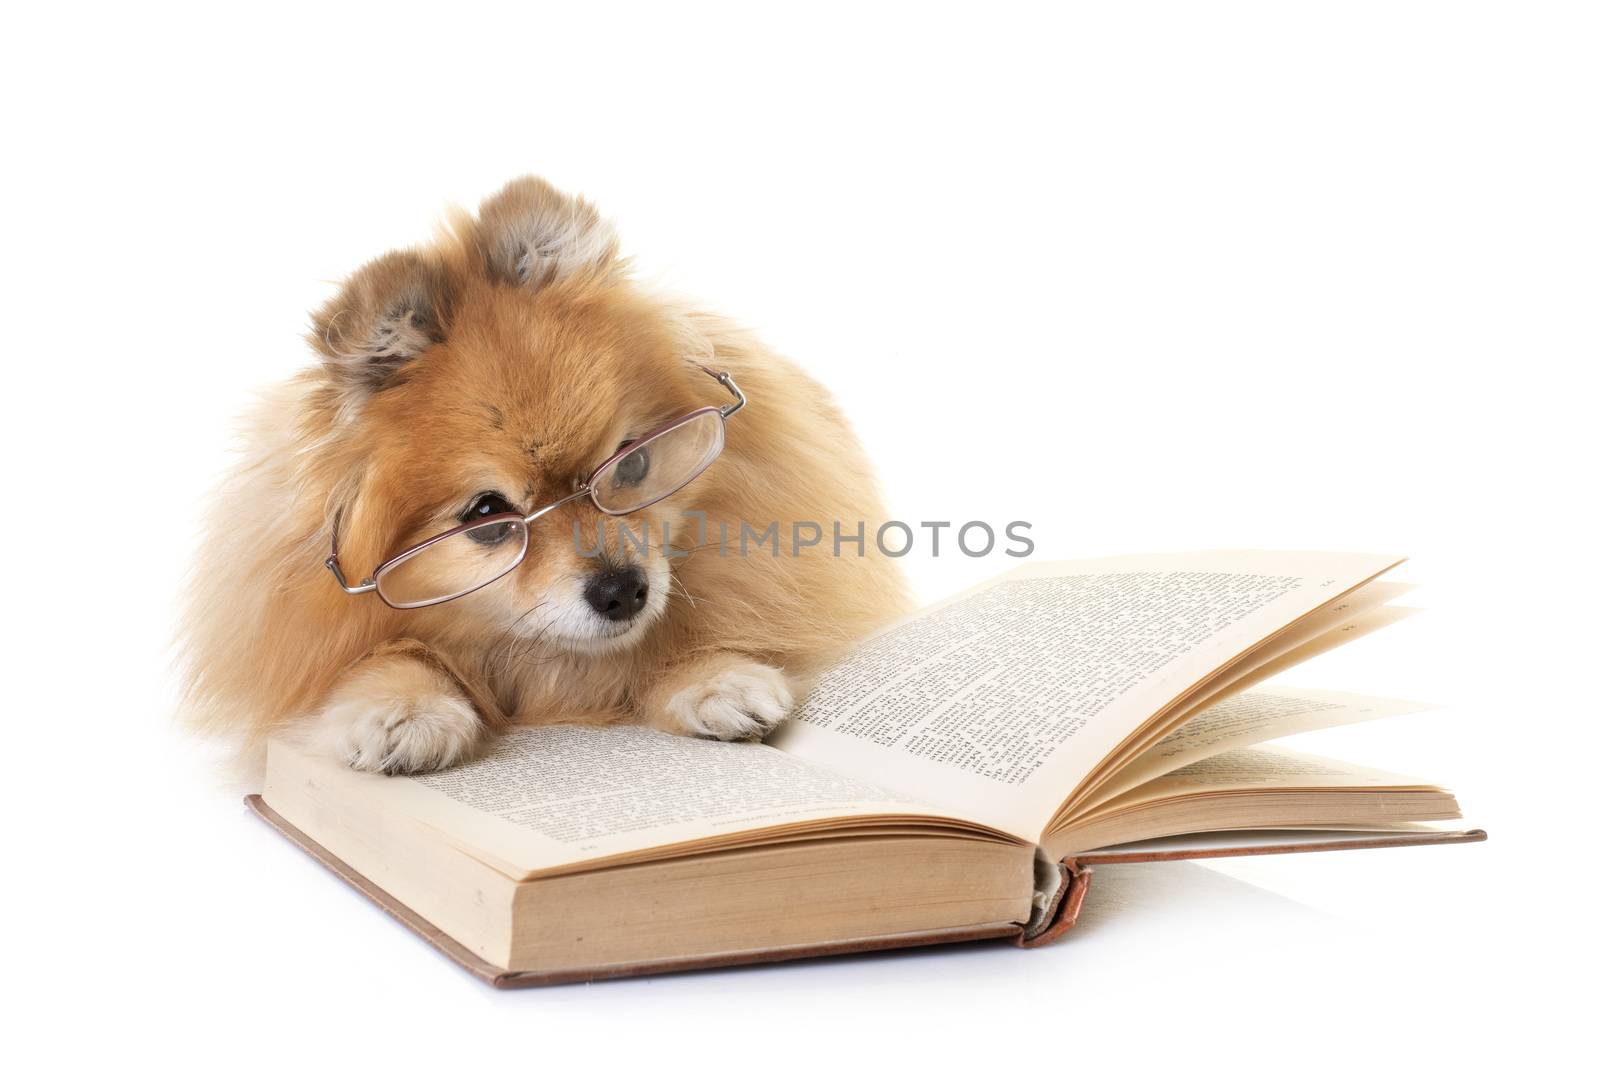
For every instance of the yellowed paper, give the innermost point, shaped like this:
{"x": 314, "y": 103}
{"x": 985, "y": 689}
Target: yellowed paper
{"x": 1262, "y": 768}
{"x": 548, "y": 798}
{"x": 1258, "y": 715}
{"x": 1343, "y": 619}
{"x": 999, "y": 701}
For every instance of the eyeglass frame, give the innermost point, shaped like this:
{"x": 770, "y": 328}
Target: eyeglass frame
{"x": 585, "y": 489}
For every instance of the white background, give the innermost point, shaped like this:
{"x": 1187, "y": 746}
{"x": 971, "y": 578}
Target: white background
{"x": 1150, "y": 277}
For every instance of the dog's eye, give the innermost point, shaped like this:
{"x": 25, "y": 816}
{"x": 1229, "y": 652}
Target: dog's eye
{"x": 632, "y": 468}
{"x": 487, "y": 504}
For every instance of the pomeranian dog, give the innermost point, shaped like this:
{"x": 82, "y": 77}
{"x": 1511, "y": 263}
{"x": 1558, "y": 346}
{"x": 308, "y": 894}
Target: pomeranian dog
{"x": 517, "y": 487}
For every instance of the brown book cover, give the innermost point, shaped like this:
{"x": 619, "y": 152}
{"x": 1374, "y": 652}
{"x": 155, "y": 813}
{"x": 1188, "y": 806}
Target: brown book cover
{"x": 1055, "y": 920}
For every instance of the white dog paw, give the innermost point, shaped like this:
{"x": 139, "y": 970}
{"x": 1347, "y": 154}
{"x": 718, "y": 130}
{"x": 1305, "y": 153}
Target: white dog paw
{"x": 743, "y": 701}
{"x": 400, "y": 735}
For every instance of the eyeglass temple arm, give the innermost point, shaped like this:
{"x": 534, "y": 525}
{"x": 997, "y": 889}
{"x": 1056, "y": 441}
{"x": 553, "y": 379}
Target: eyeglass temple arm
{"x": 727, "y": 383}
{"x": 332, "y": 564}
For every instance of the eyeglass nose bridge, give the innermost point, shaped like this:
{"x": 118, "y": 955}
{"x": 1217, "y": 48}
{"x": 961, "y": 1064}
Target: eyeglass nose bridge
{"x": 584, "y": 490}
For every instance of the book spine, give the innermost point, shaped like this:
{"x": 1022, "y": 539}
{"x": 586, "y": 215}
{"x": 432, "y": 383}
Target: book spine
{"x": 1059, "y": 915}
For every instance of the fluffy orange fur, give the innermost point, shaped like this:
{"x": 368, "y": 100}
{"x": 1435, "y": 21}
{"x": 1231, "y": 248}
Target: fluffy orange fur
{"x": 512, "y": 356}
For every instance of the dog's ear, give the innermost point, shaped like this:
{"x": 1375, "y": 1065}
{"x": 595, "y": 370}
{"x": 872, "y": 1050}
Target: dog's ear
{"x": 386, "y": 315}
{"x": 531, "y": 234}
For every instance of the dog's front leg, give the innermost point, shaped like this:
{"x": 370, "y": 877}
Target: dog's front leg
{"x": 403, "y": 708}
{"x": 725, "y": 696}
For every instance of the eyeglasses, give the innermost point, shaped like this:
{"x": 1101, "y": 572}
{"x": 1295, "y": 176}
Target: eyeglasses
{"x": 467, "y": 558}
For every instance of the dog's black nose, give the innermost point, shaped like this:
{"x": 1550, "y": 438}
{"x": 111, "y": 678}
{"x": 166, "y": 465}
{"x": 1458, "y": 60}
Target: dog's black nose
{"x": 619, "y": 594}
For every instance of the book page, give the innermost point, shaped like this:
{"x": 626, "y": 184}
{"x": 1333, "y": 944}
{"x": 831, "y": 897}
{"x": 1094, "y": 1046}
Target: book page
{"x": 1265, "y": 767}
{"x": 1343, "y": 619}
{"x": 1260, "y": 714}
{"x": 549, "y": 798}
{"x": 1277, "y": 840}
{"x": 1255, "y": 788}
{"x": 1350, "y": 626}
{"x": 998, "y": 702}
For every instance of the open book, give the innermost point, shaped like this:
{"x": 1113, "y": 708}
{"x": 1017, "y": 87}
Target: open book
{"x": 955, "y": 777}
